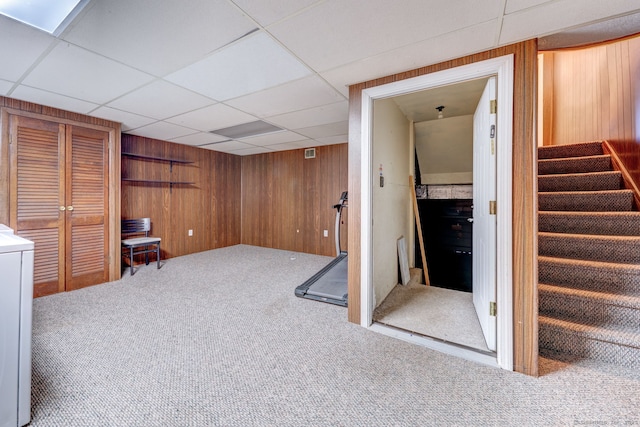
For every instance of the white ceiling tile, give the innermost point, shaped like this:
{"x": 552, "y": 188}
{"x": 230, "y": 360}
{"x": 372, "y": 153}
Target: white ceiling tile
{"x": 158, "y": 36}
{"x": 302, "y": 94}
{"x": 273, "y": 138}
{"x": 332, "y": 140}
{"x": 313, "y": 116}
{"x": 162, "y": 130}
{"x": 92, "y": 77}
{"x": 593, "y": 33}
{"x": 5, "y": 86}
{"x": 448, "y": 46}
{"x": 212, "y": 117}
{"x": 129, "y": 120}
{"x": 305, "y": 143}
{"x": 515, "y": 5}
{"x": 267, "y": 12}
{"x": 21, "y": 43}
{"x": 331, "y": 129}
{"x": 42, "y": 97}
{"x": 254, "y": 63}
{"x": 250, "y": 151}
{"x": 338, "y": 32}
{"x": 199, "y": 138}
{"x": 228, "y": 147}
{"x": 160, "y": 100}
{"x": 562, "y": 14}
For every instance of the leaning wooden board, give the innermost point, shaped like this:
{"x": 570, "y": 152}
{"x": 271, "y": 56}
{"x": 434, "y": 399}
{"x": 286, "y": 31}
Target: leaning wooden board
{"x": 419, "y": 226}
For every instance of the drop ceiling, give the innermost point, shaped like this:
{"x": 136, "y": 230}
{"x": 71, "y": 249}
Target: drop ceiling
{"x": 172, "y": 72}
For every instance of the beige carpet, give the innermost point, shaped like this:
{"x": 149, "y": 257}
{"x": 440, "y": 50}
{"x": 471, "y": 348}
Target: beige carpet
{"x": 435, "y": 312}
{"x": 205, "y": 341}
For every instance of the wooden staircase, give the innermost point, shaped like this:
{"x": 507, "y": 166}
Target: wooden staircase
{"x": 589, "y": 257}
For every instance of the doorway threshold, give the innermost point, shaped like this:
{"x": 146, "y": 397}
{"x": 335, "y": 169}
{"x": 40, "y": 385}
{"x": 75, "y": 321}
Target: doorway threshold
{"x": 446, "y": 347}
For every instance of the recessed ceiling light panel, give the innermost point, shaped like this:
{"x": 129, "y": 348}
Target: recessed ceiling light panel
{"x": 247, "y": 129}
{"x": 46, "y": 15}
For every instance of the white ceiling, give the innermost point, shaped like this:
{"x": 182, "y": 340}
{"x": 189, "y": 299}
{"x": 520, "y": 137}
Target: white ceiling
{"x": 174, "y": 71}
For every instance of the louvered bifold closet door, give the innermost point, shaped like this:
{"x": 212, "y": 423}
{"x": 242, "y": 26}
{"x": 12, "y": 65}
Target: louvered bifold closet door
{"x": 87, "y": 207}
{"x": 37, "y": 196}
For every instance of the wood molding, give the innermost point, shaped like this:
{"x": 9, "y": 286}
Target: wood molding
{"x": 547, "y": 101}
{"x": 525, "y": 272}
{"x": 618, "y": 165}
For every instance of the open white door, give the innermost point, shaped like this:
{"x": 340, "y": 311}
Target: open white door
{"x": 484, "y": 218}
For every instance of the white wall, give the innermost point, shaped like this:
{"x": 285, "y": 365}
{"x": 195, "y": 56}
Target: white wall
{"x": 391, "y": 203}
{"x": 445, "y": 150}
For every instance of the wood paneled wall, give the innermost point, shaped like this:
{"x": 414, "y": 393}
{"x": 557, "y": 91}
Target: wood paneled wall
{"x": 15, "y": 106}
{"x": 595, "y": 95}
{"x": 287, "y": 200}
{"x": 210, "y": 206}
{"x": 525, "y": 303}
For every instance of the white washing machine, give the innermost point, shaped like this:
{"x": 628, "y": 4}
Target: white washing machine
{"x": 16, "y": 297}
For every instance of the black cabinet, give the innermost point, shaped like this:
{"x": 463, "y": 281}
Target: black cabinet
{"x": 447, "y": 234}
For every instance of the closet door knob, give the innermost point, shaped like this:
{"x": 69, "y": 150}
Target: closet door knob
{"x": 69, "y": 208}
{"x": 62, "y": 208}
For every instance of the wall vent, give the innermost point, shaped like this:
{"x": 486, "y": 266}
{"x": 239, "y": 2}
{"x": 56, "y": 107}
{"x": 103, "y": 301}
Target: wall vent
{"x": 310, "y": 153}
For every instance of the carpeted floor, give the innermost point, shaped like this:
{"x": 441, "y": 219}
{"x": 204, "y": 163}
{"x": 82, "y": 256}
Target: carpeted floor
{"x": 219, "y": 339}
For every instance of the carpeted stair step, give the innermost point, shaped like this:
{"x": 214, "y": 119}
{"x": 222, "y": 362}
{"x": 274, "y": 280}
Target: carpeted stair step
{"x": 590, "y": 275}
{"x": 601, "y": 223}
{"x": 620, "y": 249}
{"x": 600, "y": 163}
{"x": 580, "y": 181}
{"x": 598, "y": 201}
{"x": 612, "y": 344}
{"x": 595, "y": 308}
{"x": 573, "y": 150}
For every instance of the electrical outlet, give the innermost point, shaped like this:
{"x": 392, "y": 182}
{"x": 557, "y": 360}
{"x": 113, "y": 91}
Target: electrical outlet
{"x": 326, "y": 233}
{"x": 190, "y": 232}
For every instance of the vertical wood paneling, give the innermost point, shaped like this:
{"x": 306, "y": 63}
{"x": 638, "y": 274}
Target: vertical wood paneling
{"x": 288, "y": 190}
{"x": 592, "y": 99}
{"x": 547, "y": 107}
{"x": 210, "y": 206}
{"x": 524, "y": 198}
{"x": 596, "y": 96}
{"x": 225, "y": 176}
{"x": 287, "y": 200}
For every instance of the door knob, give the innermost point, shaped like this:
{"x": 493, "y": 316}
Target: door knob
{"x": 69, "y": 208}
{"x": 62, "y": 208}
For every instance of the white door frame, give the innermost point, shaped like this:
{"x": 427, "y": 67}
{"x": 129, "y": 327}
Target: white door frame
{"x": 503, "y": 68}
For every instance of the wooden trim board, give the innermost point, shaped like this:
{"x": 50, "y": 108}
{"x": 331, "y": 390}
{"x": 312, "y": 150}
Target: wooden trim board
{"x": 423, "y": 254}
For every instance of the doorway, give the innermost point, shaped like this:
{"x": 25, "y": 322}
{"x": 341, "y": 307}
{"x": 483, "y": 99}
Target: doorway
{"x": 372, "y": 239}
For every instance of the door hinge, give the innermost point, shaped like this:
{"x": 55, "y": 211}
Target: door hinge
{"x": 492, "y": 207}
{"x": 493, "y": 309}
{"x": 493, "y": 106}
